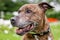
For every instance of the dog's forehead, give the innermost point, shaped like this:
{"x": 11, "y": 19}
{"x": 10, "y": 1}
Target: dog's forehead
{"x": 30, "y": 6}
{"x": 33, "y": 7}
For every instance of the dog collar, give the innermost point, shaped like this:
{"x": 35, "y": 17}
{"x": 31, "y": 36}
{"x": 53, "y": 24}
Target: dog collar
{"x": 41, "y": 33}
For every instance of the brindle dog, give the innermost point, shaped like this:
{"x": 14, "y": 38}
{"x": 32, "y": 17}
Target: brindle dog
{"x": 32, "y": 22}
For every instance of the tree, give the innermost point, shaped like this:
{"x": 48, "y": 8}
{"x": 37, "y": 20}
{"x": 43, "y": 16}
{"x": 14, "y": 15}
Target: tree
{"x": 9, "y": 5}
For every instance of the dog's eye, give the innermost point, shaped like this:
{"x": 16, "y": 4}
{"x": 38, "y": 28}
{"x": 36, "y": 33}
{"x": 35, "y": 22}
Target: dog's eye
{"x": 28, "y": 11}
{"x": 19, "y": 11}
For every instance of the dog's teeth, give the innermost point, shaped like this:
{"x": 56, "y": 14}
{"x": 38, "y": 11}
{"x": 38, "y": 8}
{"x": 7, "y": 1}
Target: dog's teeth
{"x": 31, "y": 27}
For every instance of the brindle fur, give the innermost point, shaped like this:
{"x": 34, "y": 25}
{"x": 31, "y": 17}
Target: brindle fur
{"x": 38, "y": 15}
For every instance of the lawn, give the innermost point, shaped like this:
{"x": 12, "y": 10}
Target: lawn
{"x": 55, "y": 28}
{"x": 10, "y": 34}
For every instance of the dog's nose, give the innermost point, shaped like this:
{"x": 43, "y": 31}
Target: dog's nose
{"x": 12, "y": 21}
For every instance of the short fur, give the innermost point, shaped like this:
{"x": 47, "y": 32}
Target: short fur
{"x": 38, "y": 15}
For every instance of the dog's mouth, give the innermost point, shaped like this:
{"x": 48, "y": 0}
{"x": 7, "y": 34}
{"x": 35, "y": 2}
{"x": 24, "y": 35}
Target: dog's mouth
{"x": 21, "y": 31}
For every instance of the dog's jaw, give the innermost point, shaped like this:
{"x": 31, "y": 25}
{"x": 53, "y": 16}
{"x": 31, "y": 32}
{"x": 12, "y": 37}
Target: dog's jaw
{"x": 22, "y": 31}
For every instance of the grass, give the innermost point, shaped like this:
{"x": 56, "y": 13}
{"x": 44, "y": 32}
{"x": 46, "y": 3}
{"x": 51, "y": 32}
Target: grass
{"x": 55, "y": 28}
{"x": 10, "y": 35}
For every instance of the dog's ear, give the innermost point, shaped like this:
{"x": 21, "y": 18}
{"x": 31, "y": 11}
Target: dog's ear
{"x": 45, "y": 6}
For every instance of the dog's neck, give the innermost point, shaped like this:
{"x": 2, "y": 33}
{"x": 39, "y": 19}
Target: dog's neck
{"x": 36, "y": 35}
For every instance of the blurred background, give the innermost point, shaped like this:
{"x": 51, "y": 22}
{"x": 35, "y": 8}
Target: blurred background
{"x": 9, "y": 8}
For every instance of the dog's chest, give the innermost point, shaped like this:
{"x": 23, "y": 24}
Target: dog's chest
{"x": 36, "y": 38}
{"x": 49, "y": 38}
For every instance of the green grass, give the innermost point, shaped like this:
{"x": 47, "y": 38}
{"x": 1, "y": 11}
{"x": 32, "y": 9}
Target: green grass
{"x": 55, "y": 28}
{"x": 11, "y": 35}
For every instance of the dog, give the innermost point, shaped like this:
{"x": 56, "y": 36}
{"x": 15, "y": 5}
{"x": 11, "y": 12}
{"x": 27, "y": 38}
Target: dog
{"x": 32, "y": 22}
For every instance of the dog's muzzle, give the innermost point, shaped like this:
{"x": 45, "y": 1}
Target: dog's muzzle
{"x": 24, "y": 28}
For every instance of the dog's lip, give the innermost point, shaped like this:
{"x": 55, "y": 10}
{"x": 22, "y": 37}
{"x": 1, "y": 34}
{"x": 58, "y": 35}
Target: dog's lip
{"x": 21, "y": 31}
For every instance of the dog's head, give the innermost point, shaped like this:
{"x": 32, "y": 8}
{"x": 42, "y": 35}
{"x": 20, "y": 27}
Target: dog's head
{"x": 30, "y": 17}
